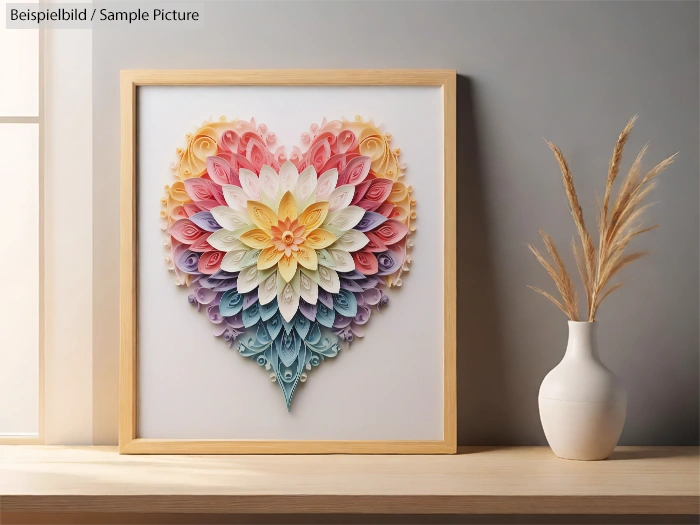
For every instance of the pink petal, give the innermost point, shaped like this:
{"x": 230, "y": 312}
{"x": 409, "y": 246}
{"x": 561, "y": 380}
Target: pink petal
{"x": 360, "y": 191}
{"x": 228, "y": 141}
{"x": 319, "y": 153}
{"x": 355, "y": 172}
{"x": 365, "y": 262}
{"x": 207, "y": 205}
{"x": 191, "y": 208}
{"x": 339, "y": 162}
{"x": 385, "y": 209}
{"x": 375, "y": 244}
{"x": 209, "y": 262}
{"x": 219, "y": 170}
{"x": 347, "y": 141}
{"x": 198, "y": 189}
{"x": 391, "y": 231}
{"x": 379, "y": 190}
{"x": 202, "y": 245}
{"x": 236, "y": 161}
{"x": 185, "y": 231}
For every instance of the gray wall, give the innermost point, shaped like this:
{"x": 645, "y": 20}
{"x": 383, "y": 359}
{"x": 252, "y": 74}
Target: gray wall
{"x": 571, "y": 72}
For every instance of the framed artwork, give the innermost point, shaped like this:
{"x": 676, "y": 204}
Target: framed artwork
{"x": 288, "y": 262}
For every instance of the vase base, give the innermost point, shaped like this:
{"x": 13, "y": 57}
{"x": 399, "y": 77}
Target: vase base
{"x": 582, "y": 431}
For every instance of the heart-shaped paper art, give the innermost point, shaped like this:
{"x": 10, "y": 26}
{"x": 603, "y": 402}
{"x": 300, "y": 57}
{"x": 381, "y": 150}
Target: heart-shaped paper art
{"x": 288, "y": 255}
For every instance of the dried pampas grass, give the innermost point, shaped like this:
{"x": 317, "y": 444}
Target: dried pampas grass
{"x": 617, "y": 226}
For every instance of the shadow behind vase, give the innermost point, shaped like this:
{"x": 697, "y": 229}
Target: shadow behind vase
{"x": 582, "y": 403}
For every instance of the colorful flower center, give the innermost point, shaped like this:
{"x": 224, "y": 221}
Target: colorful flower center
{"x": 288, "y": 237}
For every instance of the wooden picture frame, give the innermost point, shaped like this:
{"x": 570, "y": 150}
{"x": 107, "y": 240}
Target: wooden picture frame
{"x": 129, "y": 443}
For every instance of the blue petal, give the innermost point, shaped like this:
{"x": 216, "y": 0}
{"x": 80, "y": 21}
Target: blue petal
{"x": 251, "y": 315}
{"x": 274, "y": 325}
{"x": 324, "y": 315}
{"x": 302, "y": 325}
{"x": 288, "y": 347}
{"x": 231, "y": 303}
{"x": 345, "y": 303}
{"x": 268, "y": 310}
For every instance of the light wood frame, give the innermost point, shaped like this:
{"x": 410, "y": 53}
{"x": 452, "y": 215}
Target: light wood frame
{"x": 129, "y": 443}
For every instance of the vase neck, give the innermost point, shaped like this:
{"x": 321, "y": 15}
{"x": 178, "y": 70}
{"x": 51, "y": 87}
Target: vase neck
{"x": 583, "y": 340}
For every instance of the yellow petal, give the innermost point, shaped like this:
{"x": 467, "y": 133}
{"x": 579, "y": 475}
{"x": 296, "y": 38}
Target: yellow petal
{"x": 312, "y": 217}
{"x": 288, "y": 207}
{"x": 319, "y": 239}
{"x": 307, "y": 257}
{"x": 255, "y": 238}
{"x": 262, "y": 216}
{"x": 269, "y": 257}
{"x": 287, "y": 267}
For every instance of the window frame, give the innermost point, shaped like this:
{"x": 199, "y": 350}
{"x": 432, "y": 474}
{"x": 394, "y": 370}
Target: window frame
{"x": 39, "y": 438}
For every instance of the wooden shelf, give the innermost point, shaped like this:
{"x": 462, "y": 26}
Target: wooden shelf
{"x": 37, "y": 480}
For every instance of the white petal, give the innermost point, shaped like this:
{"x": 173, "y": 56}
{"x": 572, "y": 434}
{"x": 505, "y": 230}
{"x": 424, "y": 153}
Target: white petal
{"x": 351, "y": 241}
{"x": 288, "y": 177}
{"x": 250, "y": 184}
{"x": 325, "y": 258}
{"x": 264, "y": 274}
{"x": 269, "y": 184}
{"x": 229, "y": 218}
{"x": 267, "y": 290}
{"x": 235, "y": 197}
{"x": 306, "y": 185}
{"x": 233, "y": 260}
{"x": 248, "y": 279}
{"x": 343, "y": 260}
{"x": 344, "y": 219}
{"x": 325, "y": 277}
{"x": 251, "y": 257}
{"x": 308, "y": 288}
{"x": 225, "y": 241}
{"x": 326, "y": 184}
{"x": 288, "y": 297}
{"x": 341, "y": 197}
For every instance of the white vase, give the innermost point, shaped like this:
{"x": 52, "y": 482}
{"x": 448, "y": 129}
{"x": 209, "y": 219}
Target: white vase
{"x": 582, "y": 403}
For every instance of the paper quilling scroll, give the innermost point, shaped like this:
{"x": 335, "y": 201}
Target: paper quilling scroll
{"x": 288, "y": 251}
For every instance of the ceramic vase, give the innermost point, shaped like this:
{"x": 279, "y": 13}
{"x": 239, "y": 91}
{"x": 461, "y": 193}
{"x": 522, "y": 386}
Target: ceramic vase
{"x": 582, "y": 403}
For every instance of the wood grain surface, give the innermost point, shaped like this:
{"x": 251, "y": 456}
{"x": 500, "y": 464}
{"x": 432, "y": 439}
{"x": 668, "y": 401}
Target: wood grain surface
{"x": 523, "y": 480}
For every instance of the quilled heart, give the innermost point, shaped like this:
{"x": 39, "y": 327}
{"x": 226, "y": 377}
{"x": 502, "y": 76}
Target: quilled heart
{"x": 288, "y": 255}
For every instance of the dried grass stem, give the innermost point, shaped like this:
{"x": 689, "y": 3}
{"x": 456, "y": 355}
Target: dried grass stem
{"x": 617, "y": 226}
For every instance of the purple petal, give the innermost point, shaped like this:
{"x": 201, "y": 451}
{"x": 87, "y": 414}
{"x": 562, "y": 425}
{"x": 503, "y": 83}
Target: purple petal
{"x": 235, "y": 321}
{"x": 226, "y": 284}
{"x": 354, "y": 275}
{"x": 188, "y": 262}
{"x": 205, "y": 295}
{"x": 206, "y": 221}
{"x": 351, "y": 285}
{"x": 308, "y": 310}
{"x": 388, "y": 262}
{"x": 250, "y": 298}
{"x": 372, "y": 296}
{"x": 369, "y": 282}
{"x": 363, "y": 314}
{"x": 214, "y": 315}
{"x": 325, "y": 298}
{"x": 341, "y": 321}
{"x": 370, "y": 221}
